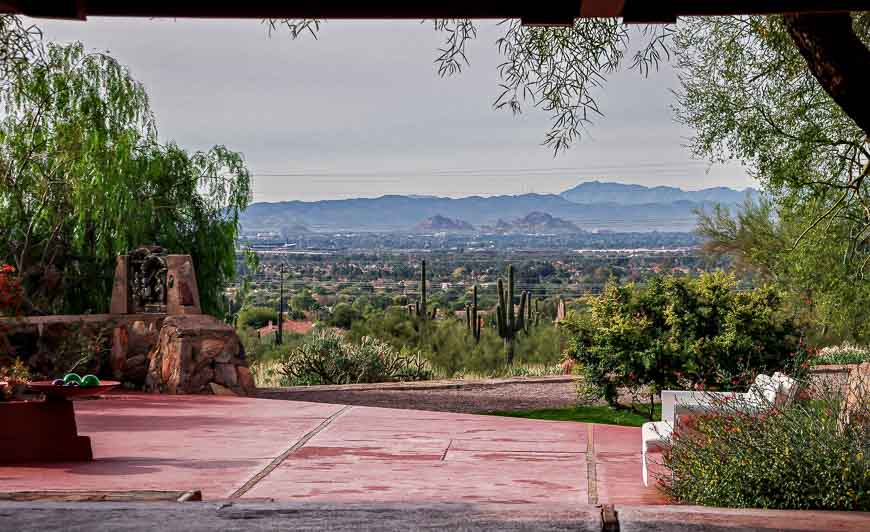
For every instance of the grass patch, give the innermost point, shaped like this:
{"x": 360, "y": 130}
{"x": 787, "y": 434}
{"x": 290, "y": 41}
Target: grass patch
{"x": 516, "y": 370}
{"x": 604, "y": 415}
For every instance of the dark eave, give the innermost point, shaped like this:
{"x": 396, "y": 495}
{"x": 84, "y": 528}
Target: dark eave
{"x": 555, "y": 12}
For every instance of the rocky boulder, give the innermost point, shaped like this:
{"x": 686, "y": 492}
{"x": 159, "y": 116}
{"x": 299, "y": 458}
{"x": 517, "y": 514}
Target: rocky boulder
{"x": 132, "y": 342}
{"x": 194, "y": 351}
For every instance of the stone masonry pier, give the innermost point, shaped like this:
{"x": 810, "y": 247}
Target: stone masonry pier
{"x": 157, "y": 352}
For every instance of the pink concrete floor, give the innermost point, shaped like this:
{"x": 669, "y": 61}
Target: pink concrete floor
{"x": 287, "y": 450}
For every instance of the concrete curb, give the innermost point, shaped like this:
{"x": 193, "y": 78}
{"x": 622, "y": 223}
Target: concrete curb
{"x": 236, "y": 515}
{"x": 700, "y": 518}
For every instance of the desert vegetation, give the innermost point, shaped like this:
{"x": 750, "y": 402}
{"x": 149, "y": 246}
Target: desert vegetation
{"x": 677, "y": 333}
{"x": 813, "y": 453}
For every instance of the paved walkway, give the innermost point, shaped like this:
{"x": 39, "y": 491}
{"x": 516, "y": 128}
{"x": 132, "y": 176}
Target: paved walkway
{"x": 261, "y": 449}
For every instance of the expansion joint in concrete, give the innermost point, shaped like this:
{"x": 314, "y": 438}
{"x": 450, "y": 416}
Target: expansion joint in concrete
{"x": 591, "y": 473}
{"x": 246, "y": 487}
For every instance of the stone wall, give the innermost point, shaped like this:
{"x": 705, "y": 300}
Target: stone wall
{"x": 51, "y": 345}
{"x": 831, "y": 376}
{"x": 193, "y": 353}
{"x": 858, "y": 394}
{"x": 167, "y": 354}
{"x": 131, "y": 345}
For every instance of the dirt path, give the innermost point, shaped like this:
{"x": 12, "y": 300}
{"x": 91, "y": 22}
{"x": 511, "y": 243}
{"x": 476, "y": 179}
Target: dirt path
{"x": 445, "y": 396}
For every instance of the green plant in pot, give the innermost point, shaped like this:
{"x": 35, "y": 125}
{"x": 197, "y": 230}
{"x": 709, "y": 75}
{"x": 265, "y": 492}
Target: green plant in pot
{"x": 13, "y": 380}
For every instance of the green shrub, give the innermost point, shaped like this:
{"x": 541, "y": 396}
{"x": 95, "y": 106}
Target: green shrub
{"x": 841, "y": 354}
{"x": 804, "y": 456}
{"x": 451, "y": 349}
{"x": 304, "y": 301}
{"x": 327, "y": 358}
{"x": 343, "y": 316}
{"x": 267, "y": 374}
{"x": 264, "y": 348}
{"x": 256, "y": 317}
{"x": 679, "y": 333}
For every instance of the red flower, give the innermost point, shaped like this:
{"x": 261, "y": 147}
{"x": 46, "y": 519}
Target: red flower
{"x": 11, "y": 293}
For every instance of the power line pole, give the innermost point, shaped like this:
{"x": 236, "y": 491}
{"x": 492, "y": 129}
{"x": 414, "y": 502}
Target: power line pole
{"x": 279, "y": 335}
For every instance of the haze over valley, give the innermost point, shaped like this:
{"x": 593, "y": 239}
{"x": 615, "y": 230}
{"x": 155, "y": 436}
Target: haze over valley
{"x": 588, "y": 207}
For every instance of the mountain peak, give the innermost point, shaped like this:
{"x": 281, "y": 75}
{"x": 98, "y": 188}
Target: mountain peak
{"x": 443, "y": 223}
{"x": 535, "y": 222}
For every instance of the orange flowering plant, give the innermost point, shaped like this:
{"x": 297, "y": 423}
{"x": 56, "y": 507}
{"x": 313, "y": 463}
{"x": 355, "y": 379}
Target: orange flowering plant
{"x": 805, "y": 455}
{"x": 11, "y": 292}
{"x": 12, "y": 370}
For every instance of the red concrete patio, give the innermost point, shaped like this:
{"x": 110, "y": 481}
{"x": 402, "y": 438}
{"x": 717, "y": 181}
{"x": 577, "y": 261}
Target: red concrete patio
{"x": 238, "y": 448}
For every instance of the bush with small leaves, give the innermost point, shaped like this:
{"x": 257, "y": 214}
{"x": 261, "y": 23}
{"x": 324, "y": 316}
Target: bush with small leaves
{"x": 679, "y": 333}
{"x": 327, "y": 358}
{"x": 813, "y": 454}
{"x": 256, "y": 317}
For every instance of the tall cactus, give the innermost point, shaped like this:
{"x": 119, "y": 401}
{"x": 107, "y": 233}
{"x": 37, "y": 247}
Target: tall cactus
{"x": 529, "y": 322}
{"x": 419, "y": 308}
{"x": 421, "y": 305}
{"x": 561, "y": 311}
{"x": 472, "y": 322}
{"x": 509, "y": 322}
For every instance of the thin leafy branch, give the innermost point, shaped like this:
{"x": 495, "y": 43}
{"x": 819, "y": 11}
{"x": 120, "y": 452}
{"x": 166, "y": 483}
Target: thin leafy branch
{"x": 452, "y": 55}
{"x": 297, "y": 27}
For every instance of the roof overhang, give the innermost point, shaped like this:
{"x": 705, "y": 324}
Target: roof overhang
{"x": 542, "y": 12}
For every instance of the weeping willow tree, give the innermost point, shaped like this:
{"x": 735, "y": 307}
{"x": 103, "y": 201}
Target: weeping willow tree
{"x": 84, "y": 178}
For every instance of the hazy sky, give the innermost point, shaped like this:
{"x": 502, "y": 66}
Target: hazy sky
{"x": 361, "y": 111}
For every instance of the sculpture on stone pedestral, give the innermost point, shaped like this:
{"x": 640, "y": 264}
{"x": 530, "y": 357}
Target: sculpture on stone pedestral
{"x": 150, "y": 281}
{"x": 147, "y": 274}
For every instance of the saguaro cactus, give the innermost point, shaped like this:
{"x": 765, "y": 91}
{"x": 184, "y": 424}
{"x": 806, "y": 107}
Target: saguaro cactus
{"x": 509, "y": 322}
{"x": 419, "y": 308}
{"x": 472, "y": 322}
{"x": 529, "y": 322}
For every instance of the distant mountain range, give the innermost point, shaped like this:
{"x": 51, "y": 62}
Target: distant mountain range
{"x": 591, "y": 192}
{"x": 588, "y": 206}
